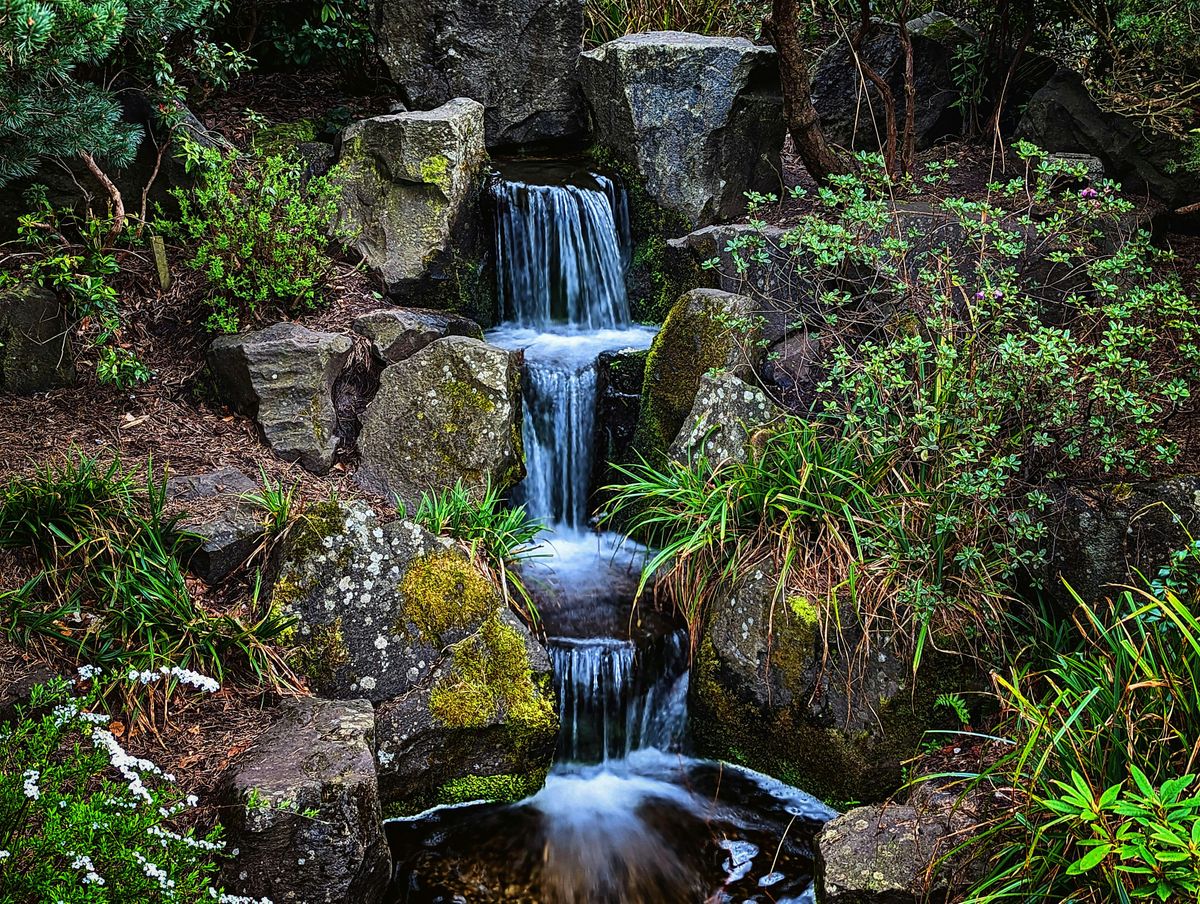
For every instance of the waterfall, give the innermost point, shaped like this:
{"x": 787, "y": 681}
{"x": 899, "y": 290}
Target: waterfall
{"x": 615, "y": 697}
{"x": 561, "y": 253}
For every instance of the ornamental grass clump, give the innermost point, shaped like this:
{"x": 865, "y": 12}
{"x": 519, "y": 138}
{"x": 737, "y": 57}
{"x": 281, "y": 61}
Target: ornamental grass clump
{"x": 106, "y": 580}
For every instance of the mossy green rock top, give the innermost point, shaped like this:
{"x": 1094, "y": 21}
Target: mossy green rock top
{"x": 451, "y": 412}
{"x": 35, "y": 349}
{"x": 394, "y": 614}
{"x": 407, "y": 180}
{"x": 706, "y": 330}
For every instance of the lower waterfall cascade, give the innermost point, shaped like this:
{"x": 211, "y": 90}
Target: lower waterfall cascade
{"x": 625, "y": 815}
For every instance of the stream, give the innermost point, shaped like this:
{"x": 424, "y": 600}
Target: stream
{"x": 626, "y": 816}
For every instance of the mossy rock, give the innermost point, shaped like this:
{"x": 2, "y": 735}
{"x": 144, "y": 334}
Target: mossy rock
{"x": 780, "y": 702}
{"x": 450, "y": 413}
{"x": 394, "y": 614}
{"x": 706, "y": 330}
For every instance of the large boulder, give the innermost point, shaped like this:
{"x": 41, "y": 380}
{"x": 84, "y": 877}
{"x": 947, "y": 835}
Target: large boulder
{"x": 409, "y": 181}
{"x": 399, "y": 333}
{"x": 392, "y": 613}
{"x": 838, "y": 722}
{"x": 302, "y": 809}
{"x": 223, "y": 529}
{"x": 516, "y": 57}
{"x": 283, "y": 378}
{"x": 891, "y": 854}
{"x": 1063, "y": 117}
{"x": 697, "y": 121}
{"x": 449, "y": 413}
{"x": 35, "y": 346}
{"x": 706, "y": 330}
{"x": 1106, "y": 536}
{"x": 726, "y": 415}
{"x": 851, "y": 108}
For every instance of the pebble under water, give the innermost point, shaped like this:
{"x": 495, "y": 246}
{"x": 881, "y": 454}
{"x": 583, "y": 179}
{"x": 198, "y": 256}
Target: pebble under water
{"x": 625, "y": 816}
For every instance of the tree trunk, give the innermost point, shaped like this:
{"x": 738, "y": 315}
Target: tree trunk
{"x": 799, "y": 114}
{"x": 865, "y": 27}
{"x": 908, "y": 152}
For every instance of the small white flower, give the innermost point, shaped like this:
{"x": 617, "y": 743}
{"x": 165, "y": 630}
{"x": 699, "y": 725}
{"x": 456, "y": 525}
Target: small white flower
{"x": 31, "y": 787}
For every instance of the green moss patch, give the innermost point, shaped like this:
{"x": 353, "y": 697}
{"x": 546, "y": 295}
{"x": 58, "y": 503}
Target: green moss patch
{"x": 489, "y": 680}
{"x": 443, "y": 592}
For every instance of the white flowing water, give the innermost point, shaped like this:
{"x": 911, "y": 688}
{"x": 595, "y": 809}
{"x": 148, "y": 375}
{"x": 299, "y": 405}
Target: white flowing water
{"x": 625, "y": 815}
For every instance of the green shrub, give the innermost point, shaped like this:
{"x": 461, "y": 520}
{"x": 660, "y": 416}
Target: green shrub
{"x": 1102, "y": 769}
{"x": 83, "y": 821}
{"x": 964, "y": 379}
{"x": 109, "y": 585}
{"x": 498, "y": 537}
{"x": 258, "y": 232}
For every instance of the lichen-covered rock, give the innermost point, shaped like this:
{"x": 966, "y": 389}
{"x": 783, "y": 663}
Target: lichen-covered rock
{"x": 227, "y": 529}
{"x": 706, "y": 330}
{"x": 283, "y": 378}
{"x": 302, "y": 809}
{"x": 449, "y": 413}
{"x": 484, "y": 728}
{"x": 35, "y": 346}
{"x": 408, "y": 181}
{"x": 399, "y": 333}
{"x": 1063, "y": 117}
{"x": 851, "y": 108}
{"x": 726, "y": 414}
{"x": 765, "y": 690}
{"x": 887, "y": 855}
{"x": 1106, "y": 535}
{"x": 395, "y": 614}
{"x": 516, "y": 57}
{"x": 697, "y": 120}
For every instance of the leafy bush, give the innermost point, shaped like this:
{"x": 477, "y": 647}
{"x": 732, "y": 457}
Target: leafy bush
{"x": 108, "y": 583}
{"x": 260, "y": 234}
{"x": 1102, "y": 773}
{"x": 498, "y": 537}
{"x": 964, "y": 377}
{"x": 83, "y": 821}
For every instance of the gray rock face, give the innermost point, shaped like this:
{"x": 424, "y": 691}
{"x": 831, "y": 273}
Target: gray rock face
{"x": 706, "y": 329}
{"x": 318, "y": 757}
{"x": 726, "y": 413}
{"x": 450, "y": 412}
{"x": 35, "y": 342}
{"x": 1063, "y": 117}
{"x": 698, "y": 120}
{"x": 1108, "y": 534}
{"x": 790, "y": 368}
{"x": 395, "y": 614}
{"x": 516, "y": 57}
{"x": 884, "y": 855}
{"x": 283, "y": 378}
{"x": 399, "y": 333}
{"x": 851, "y": 108}
{"x": 408, "y": 180}
{"x": 228, "y": 529}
